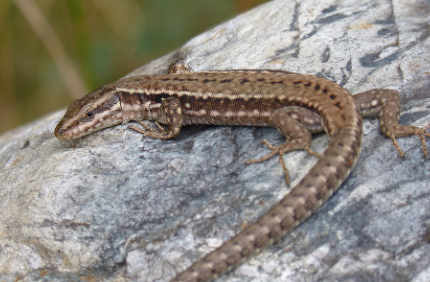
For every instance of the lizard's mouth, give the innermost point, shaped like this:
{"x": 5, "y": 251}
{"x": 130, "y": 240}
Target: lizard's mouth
{"x": 64, "y": 133}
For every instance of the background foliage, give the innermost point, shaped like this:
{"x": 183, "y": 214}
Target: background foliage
{"x": 54, "y": 51}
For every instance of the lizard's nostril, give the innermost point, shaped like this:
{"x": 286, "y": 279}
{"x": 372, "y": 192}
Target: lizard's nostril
{"x": 59, "y": 132}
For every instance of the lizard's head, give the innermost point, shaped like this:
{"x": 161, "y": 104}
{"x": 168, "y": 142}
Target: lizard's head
{"x": 97, "y": 110}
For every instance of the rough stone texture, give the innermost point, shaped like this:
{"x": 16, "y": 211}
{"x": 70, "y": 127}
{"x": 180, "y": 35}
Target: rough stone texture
{"x": 114, "y": 207}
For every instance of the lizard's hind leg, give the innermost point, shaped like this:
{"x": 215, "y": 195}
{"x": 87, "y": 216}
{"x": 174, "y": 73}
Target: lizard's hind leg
{"x": 295, "y": 124}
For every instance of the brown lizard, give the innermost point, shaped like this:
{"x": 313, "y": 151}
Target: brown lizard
{"x": 296, "y": 104}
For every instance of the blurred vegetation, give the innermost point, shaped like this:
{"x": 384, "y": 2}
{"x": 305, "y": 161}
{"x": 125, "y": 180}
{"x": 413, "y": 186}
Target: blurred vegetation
{"x": 52, "y": 51}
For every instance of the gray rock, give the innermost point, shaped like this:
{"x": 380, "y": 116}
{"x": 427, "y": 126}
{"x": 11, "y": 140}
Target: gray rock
{"x": 115, "y": 207}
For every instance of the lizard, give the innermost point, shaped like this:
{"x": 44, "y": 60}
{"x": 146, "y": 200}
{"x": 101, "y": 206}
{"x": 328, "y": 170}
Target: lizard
{"x": 297, "y": 105}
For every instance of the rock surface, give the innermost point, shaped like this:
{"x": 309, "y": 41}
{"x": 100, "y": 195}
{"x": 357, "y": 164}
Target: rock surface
{"x": 114, "y": 207}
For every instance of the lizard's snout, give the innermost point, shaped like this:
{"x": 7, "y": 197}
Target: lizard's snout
{"x": 60, "y": 132}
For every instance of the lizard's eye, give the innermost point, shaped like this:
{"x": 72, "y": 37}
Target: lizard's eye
{"x": 91, "y": 114}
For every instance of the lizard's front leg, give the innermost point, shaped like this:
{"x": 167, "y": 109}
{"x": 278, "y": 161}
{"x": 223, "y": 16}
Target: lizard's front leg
{"x": 170, "y": 114}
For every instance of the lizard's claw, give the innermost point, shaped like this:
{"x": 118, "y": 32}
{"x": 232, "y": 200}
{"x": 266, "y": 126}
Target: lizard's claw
{"x": 147, "y": 130}
{"x": 407, "y": 130}
{"x": 281, "y": 150}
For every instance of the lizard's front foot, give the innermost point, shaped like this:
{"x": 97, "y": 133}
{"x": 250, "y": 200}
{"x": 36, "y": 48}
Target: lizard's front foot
{"x": 148, "y": 130}
{"x": 171, "y": 114}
